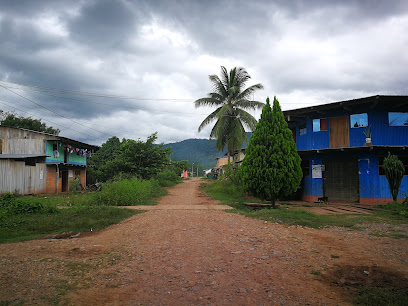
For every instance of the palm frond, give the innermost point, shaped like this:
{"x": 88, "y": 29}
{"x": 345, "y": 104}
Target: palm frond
{"x": 249, "y": 91}
{"x": 210, "y": 118}
{"x": 236, "y": 136}
{"x": 247, "y": 119}
{"x": 225, "y": 77}
{"x": 246, "y": 104}
{"x": 217, "y": 96}
{"x": 207, "y": 102}
{"x": 241, "y": 77}
{"x": 218, "y": 85}
{"x": 226, "y": 111}
{"x": 216, "y": 133}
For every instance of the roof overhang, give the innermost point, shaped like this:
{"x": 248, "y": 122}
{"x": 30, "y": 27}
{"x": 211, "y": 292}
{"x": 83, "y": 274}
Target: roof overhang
{"x": 379, "y": 102}
{"x": 56, "y": 137}
{"x": 21, "y": 156}
{"x": 377, "y": 149}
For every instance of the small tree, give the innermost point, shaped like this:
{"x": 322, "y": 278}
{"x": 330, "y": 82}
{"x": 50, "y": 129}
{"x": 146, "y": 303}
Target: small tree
{"x": 271, "y": 167}
{"x": 394, "y": 172}
{"x": 12, "y": 120}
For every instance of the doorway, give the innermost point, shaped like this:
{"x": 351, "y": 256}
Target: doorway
{"x": 341, "y": 179}
{"x": 64, "y": 181}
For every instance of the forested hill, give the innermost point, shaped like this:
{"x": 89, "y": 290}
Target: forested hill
{"x": 197, "y": 151}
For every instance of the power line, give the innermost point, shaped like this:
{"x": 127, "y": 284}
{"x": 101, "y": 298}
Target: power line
{"x": 64, "y": 91}
{"x": 107, "y": 104}
{"x": 65, "y": 127}
{"x": 100, "y": 95}
{"x": 31, "y": 101}
{"x": 82, "y": 93}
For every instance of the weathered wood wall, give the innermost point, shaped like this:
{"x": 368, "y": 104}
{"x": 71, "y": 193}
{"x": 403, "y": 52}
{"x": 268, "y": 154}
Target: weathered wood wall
{"x": 17, "y": 141}
{"x": 16, "y": 176}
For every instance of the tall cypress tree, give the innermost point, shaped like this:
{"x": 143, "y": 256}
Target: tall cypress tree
{"x": 394, "y": 172}
{"x": 271, "y": 167}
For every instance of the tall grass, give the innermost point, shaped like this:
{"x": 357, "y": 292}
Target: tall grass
{"x": 24, "y": 218}
{"x": 224, "y": 190}
{"x": 128, "y": 192}
{"x": 232, "y": 195}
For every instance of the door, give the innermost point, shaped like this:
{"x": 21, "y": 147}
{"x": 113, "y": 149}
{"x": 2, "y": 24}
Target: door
{"x": 339, "y": 132}
{"x": 341, "y": 179}
{"x": 64, "y": 182}
{"x": 66, "y": 156}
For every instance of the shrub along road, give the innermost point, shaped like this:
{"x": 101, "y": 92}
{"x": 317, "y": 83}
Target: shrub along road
{"x": 201, "y": 256}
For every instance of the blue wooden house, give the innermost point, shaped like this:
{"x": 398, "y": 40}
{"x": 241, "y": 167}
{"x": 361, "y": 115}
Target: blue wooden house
{"x": 338, "y": 160}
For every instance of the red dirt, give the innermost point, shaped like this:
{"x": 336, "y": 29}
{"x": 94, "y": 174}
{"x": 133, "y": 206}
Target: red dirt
{"x": 180, "y": 254}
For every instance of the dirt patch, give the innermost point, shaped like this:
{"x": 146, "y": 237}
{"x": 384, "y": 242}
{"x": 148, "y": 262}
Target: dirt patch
{"x": 356, "y": 277}
{"x": 197, "y": 257}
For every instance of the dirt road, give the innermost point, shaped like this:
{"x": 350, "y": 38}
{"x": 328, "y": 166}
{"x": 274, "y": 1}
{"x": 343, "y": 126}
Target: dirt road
{"x": 186, "y": 251}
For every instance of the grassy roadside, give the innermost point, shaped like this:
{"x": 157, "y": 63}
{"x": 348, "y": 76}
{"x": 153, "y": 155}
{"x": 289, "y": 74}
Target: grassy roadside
{"x": 229, "y": 194}
{"x": 30, "y": 217}
{"x": 27, "y": 226}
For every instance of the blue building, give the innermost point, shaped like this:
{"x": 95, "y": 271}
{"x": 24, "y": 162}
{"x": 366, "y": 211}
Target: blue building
{"x": 343, "y": 145}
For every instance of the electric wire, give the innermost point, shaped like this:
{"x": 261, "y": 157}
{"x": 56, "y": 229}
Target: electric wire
{"x": 82, "y": 93}
{"x": 123, "y": 97}
{"x": 50, "y": 110}
{"x": 107, "y": 104}
{"x": 46, "y": 120}
{"x": 114, "y": 105}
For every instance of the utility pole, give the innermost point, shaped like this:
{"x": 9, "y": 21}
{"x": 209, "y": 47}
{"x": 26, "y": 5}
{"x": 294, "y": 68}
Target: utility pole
{"x": 192, "y": 170}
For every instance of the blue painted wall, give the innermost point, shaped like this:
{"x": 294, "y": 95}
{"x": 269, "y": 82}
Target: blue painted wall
{"x": 382, "y": 133}
{"x": 313, "y": 187}
{"x": 372, "y": 185}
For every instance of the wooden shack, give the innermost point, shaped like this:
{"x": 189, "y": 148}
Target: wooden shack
{"x": 33, "y": 162}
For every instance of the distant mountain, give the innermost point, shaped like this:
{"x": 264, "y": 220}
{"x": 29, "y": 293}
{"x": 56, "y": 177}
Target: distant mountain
{"x": 197, "y": 151}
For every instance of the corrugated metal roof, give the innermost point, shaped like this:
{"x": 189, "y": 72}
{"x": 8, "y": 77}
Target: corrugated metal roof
{"x": 19, "y": 156}
{"x": 387, "y": 103}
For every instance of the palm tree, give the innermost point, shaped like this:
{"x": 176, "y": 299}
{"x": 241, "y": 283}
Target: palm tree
{"x": 231, "y": 99}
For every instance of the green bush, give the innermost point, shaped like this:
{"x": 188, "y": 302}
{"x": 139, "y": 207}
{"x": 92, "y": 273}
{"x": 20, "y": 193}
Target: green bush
{"x": 13, "y": 205}
{"x": 75, "y": 185}
{"x": 128, "y": 192}
{"x": 398, "y": 208}
{"x": 233, "y": 174}
{"x": 224, "y": 189}
{"x": 168, "y": 178}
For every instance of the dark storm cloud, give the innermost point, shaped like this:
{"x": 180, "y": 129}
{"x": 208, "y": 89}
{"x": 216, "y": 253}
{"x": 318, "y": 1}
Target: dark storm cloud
{"x": 103, "y": 24}
{"x": 302, "y": 51}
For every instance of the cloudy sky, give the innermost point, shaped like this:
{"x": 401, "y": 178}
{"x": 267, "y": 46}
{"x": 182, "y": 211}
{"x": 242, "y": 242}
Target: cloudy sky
{"x": 128, "y": 68}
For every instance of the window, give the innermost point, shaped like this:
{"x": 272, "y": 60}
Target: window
{"x": 77, "y": 173}
{"x": 302, "y": 129}
{"x": 319, "y": 125}
{"x": 404, "y": 160}
{"x": 54, "y": 147}
{"x": 305, "y": 167}
{"x": 29, "y": 162}
{"x": 398, "y": 119}
{"x": 358, "y": 120}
